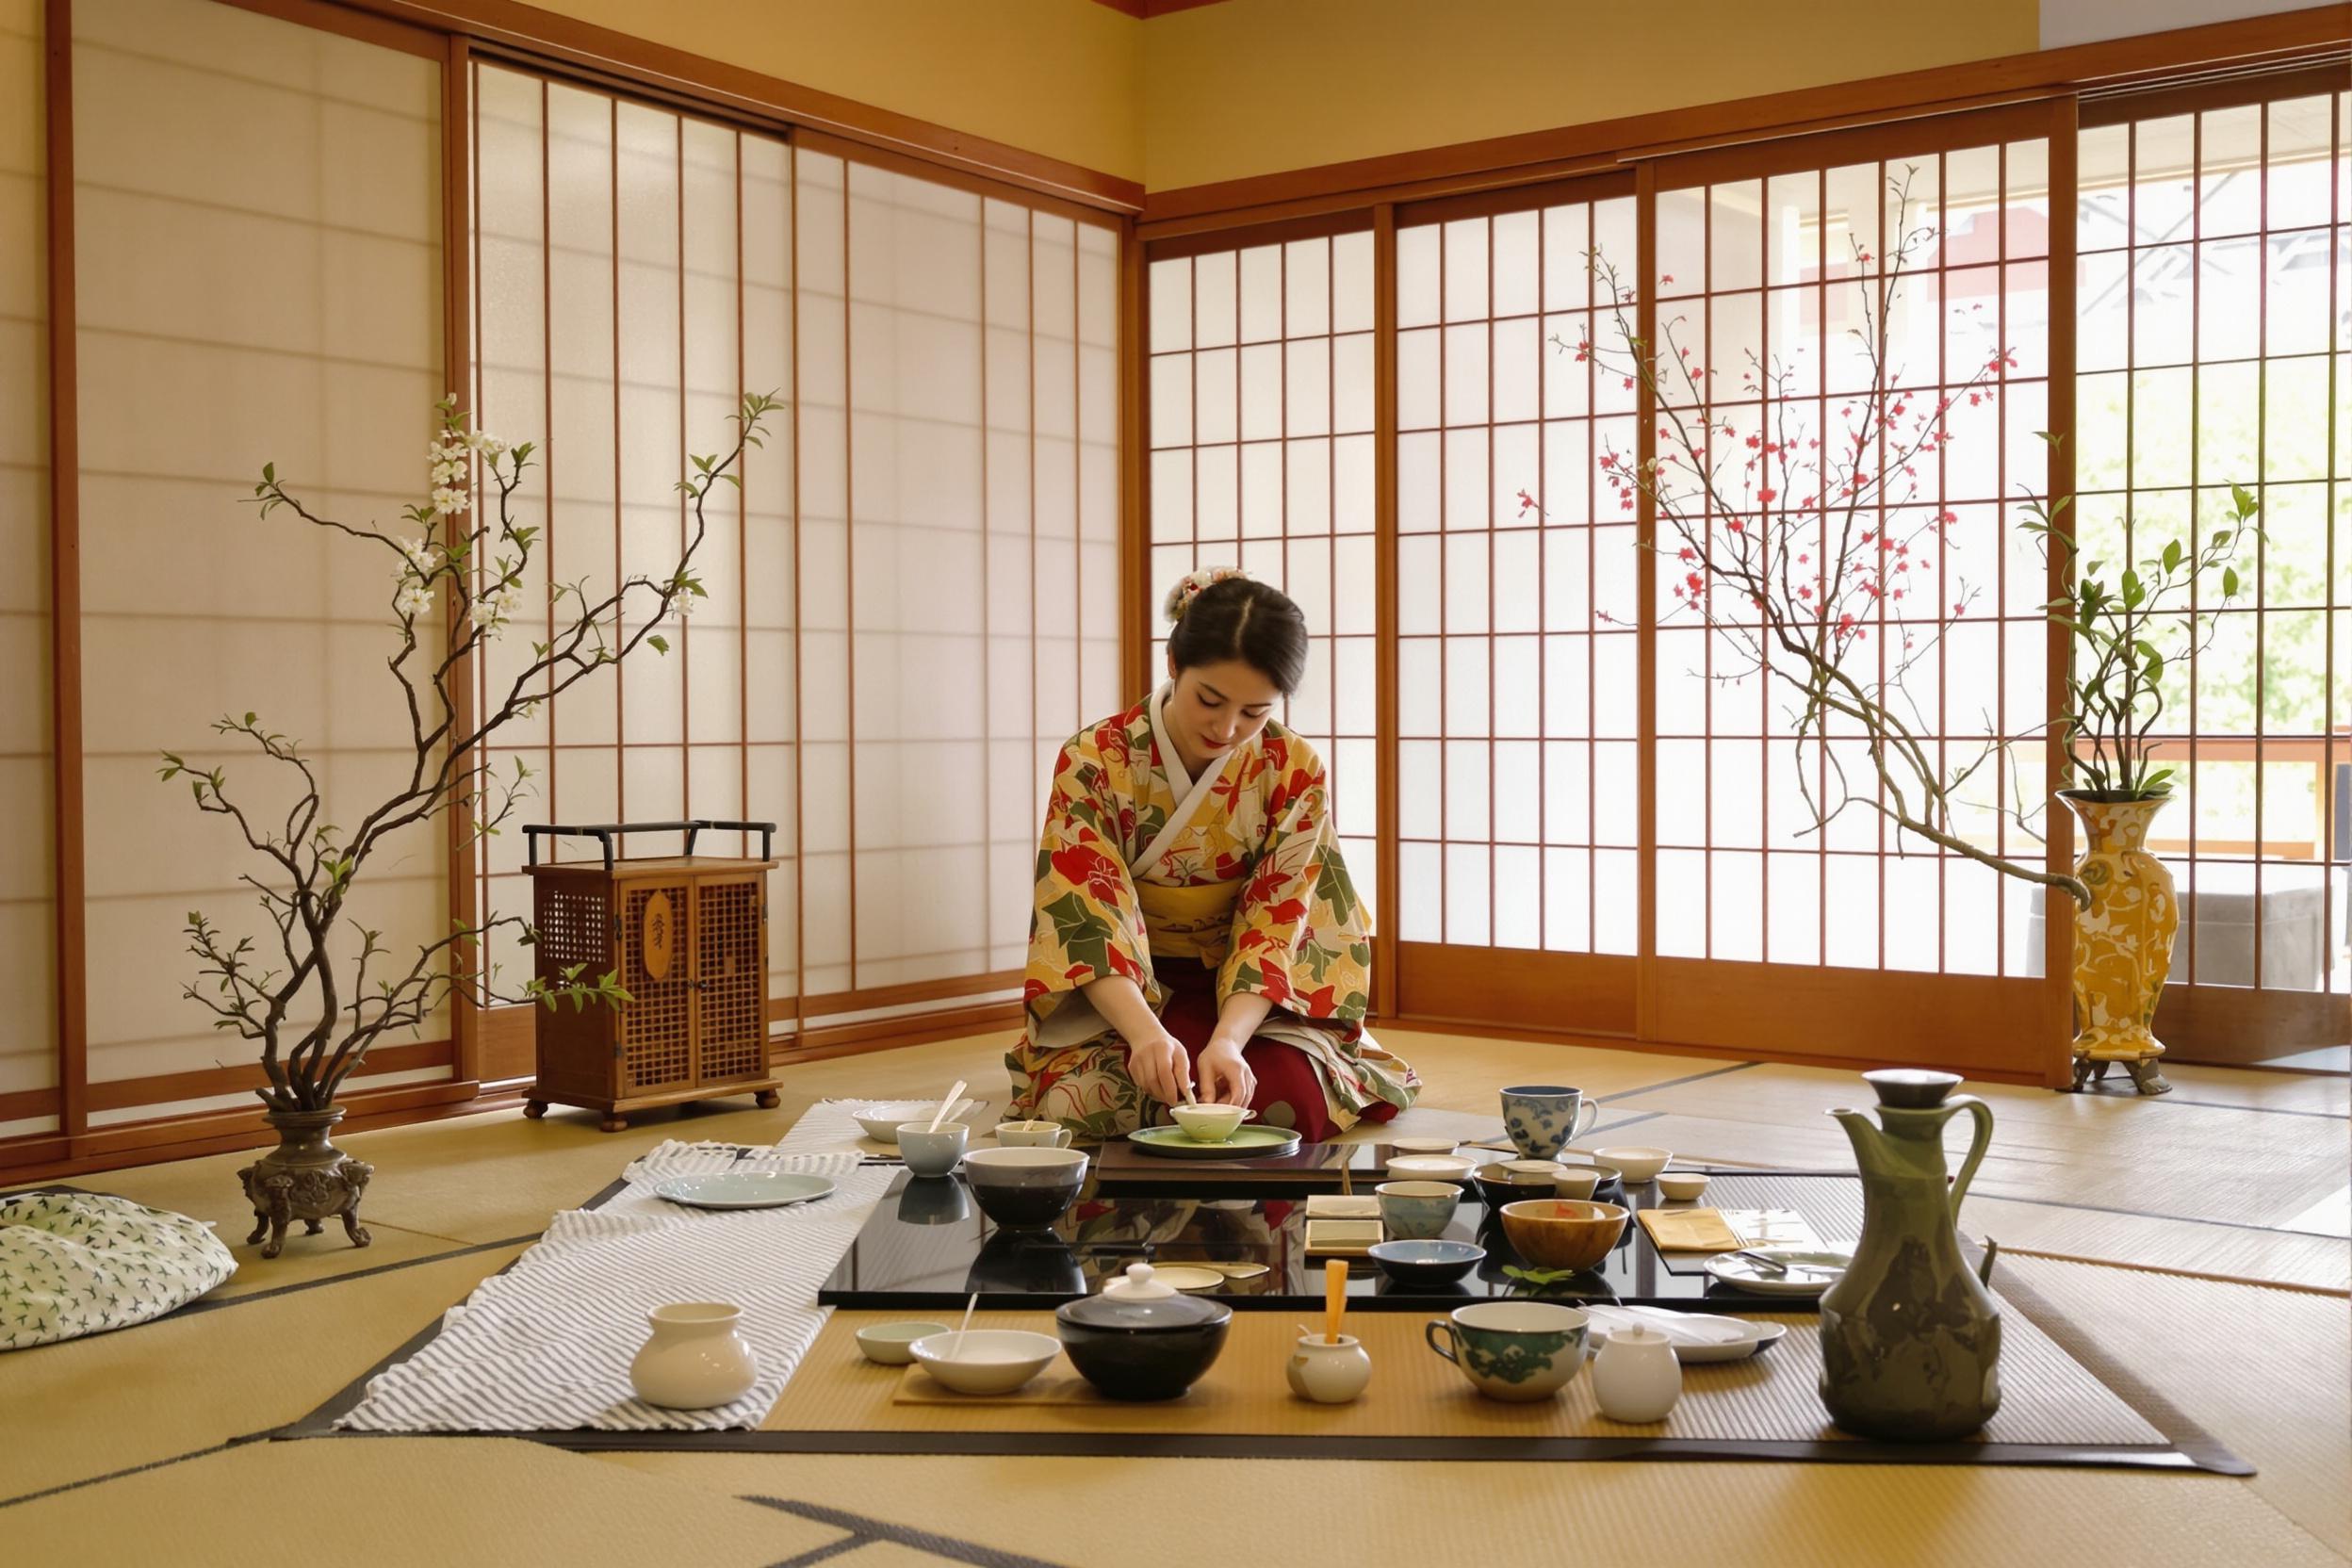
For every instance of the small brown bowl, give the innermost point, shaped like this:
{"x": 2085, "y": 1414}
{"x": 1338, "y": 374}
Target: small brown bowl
{"x": 1563, "y": 1233}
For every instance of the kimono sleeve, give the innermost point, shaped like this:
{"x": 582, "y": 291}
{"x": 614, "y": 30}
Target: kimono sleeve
{"x": 1086, "y": 922}
{"x": 1300, "y": 935}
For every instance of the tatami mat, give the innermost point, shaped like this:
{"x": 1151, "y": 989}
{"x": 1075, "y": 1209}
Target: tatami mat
{"x": 423, "y": 1503}
{"x": 1089, "y": 1513}
{"x": 88, "y": 1407}
{"x": 189, "y": 1383}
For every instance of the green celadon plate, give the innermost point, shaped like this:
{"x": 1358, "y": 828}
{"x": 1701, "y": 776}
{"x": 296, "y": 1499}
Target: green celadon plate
{"x": 1248, "y": 1143}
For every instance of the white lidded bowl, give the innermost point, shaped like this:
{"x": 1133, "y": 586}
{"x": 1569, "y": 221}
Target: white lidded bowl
{"x": 989, "y": 1360}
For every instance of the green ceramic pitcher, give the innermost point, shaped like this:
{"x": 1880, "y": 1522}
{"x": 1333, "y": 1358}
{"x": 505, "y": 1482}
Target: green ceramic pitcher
{"x": 1910, "y": 1338}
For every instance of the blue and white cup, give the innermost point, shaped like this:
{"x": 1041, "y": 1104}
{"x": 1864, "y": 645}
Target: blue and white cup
{"x": 1543, "y": 1119}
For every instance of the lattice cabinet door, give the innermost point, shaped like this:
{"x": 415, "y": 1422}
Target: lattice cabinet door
{"x": 657, "y": 947}
{"x": 730, "y": 978}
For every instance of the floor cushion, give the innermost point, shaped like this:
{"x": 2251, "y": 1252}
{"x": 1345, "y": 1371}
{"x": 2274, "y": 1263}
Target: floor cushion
{"x": 81, "y": 1263}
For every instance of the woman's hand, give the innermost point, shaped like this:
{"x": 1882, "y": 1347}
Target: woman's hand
{"x": 1160, "y": 1067}
{"x": 1225, "y": 1078}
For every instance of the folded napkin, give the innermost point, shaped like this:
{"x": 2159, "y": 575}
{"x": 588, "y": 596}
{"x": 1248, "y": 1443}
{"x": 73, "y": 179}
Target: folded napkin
{"x": 1683, "y": 1327}
{"x": 1689, "y": 1231}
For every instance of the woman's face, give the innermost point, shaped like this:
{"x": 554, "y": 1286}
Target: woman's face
{"x": 1221, "y": 705}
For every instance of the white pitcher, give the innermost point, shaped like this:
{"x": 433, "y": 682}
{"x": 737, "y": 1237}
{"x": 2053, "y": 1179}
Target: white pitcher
{"x": 694, "y": 1359}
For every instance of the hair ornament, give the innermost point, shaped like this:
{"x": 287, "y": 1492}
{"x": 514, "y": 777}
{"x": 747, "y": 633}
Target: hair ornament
{"x": 1189, "y": 588}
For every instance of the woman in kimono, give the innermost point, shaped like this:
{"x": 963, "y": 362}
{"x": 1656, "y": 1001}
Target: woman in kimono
{"x": 1196, "y": 928}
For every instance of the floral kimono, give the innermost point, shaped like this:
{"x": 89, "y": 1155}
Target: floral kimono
{"x": 1230, "y": 882}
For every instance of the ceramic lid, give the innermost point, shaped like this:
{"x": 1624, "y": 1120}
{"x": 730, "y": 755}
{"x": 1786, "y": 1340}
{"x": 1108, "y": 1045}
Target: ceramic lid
{"x": 1139, "y": 1303}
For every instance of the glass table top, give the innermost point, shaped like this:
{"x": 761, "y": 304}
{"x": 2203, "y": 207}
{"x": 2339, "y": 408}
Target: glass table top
{"x": 928, "y": 1247}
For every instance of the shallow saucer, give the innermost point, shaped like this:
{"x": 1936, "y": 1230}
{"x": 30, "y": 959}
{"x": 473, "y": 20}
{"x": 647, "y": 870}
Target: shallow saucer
{"x": 1810, "y": 1272}
{"x": 743, "y": 1189}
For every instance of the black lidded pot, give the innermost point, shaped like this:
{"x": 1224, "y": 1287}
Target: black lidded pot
{"x": 1141, "y": 1339}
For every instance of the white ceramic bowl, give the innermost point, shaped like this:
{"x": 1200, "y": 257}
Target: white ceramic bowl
{"x": 1429, "y": 1167}
{"x": 881, "y": 1119}
{"x": 990, "y": 1361}
{"x": 1681, "y": 1187}
{"x": 889, "y": 1344}
{"x": 1577, "y": 1182}
{"x": 1639, "y": 1164}
{"x": 1210, "y": 1123}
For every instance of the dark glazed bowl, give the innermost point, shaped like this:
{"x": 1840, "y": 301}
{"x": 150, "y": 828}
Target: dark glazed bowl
{"x": 1499, "y": 1186}
{"x": 1025, "y": 1189}
{"x": 1142, "y": 1350}
{"x": 1026, "y": 1263}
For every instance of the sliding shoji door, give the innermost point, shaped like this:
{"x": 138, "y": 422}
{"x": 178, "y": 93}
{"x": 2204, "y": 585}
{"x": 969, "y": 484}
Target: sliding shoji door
{"x": 28, "y": 962}
{"x": 1774, "y": 928}
{"x": 959, "y": 547}
{"x": 1517, "y": 650}
{"x": 2216, "y": 303}
{"x": 260, "y": 279}
{"x": 913, "y": 598}
{"x": 1261, "y": 418}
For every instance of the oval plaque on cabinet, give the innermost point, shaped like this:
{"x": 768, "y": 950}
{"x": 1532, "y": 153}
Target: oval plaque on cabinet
{"x": 658, "y": 941}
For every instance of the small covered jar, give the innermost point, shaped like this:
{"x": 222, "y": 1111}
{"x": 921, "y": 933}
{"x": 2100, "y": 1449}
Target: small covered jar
{"x": 1141, "y": 1339}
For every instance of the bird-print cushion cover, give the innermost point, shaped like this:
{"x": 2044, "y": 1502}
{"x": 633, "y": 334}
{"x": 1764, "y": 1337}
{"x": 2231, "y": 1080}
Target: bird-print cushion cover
{"x": 81, "y": 1263}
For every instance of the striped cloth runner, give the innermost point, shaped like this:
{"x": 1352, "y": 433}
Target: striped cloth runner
{"x": 547, "y": 1345}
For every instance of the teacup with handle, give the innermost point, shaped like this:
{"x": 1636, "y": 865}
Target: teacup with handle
{"x": 1543, "y": 1119}
{"x": 1513, "y": 1350}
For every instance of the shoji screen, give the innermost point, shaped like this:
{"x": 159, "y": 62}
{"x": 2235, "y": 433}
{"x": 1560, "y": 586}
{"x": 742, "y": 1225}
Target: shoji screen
{"x": 2215, "y": 285}
{"x": 1261, "y": 394}
{"x": 960, "y": 548}
{"x": 1781, "y": 252}
{"x": 269, "y": 288}
{"x": 1517, "y": 726}
{"x": 633, "y": 282}
{"x": 28, "y": 1053}
{"x": 913, "y": 598}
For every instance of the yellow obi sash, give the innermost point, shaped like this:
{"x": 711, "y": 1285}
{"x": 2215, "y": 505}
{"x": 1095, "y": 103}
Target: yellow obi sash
{"x": 1189, "y": 922}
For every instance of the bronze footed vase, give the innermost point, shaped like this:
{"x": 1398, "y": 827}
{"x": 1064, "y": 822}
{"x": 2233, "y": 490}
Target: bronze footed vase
{"x": 1910, "y": 1336}
{"x": 307, "y": 1178}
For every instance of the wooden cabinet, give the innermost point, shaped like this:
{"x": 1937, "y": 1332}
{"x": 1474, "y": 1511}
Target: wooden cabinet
{"x": 688, "y": 936}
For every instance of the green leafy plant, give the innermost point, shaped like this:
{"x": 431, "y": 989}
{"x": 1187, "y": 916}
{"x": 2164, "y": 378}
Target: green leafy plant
{"x": 315, "y": 1012}
{"x": 2135, "y": 626}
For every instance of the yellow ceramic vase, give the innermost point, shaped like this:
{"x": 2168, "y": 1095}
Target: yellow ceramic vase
{"x": 2122, "y": 942}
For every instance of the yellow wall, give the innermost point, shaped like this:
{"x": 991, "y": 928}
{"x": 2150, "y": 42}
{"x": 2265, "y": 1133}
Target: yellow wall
{"x": 1062, "y": 77}
{"x": 1252, "y": 87}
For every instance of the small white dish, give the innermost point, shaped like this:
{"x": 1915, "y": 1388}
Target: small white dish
{"x": 881, "y": 1119}
{"x": 1424, "y": 1145}
{"x": 1810, "y": 1272}
{"x": 1639, "y": 1164}
{"x": 989, "y": 1360}
{"x": 1682, "y": 1186}
{"x": 743, "y": 1189}
{"x": 1188, "y": 1276}
{"x": 1430, "y": 1167}
{"x": 891, "y": 1344}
